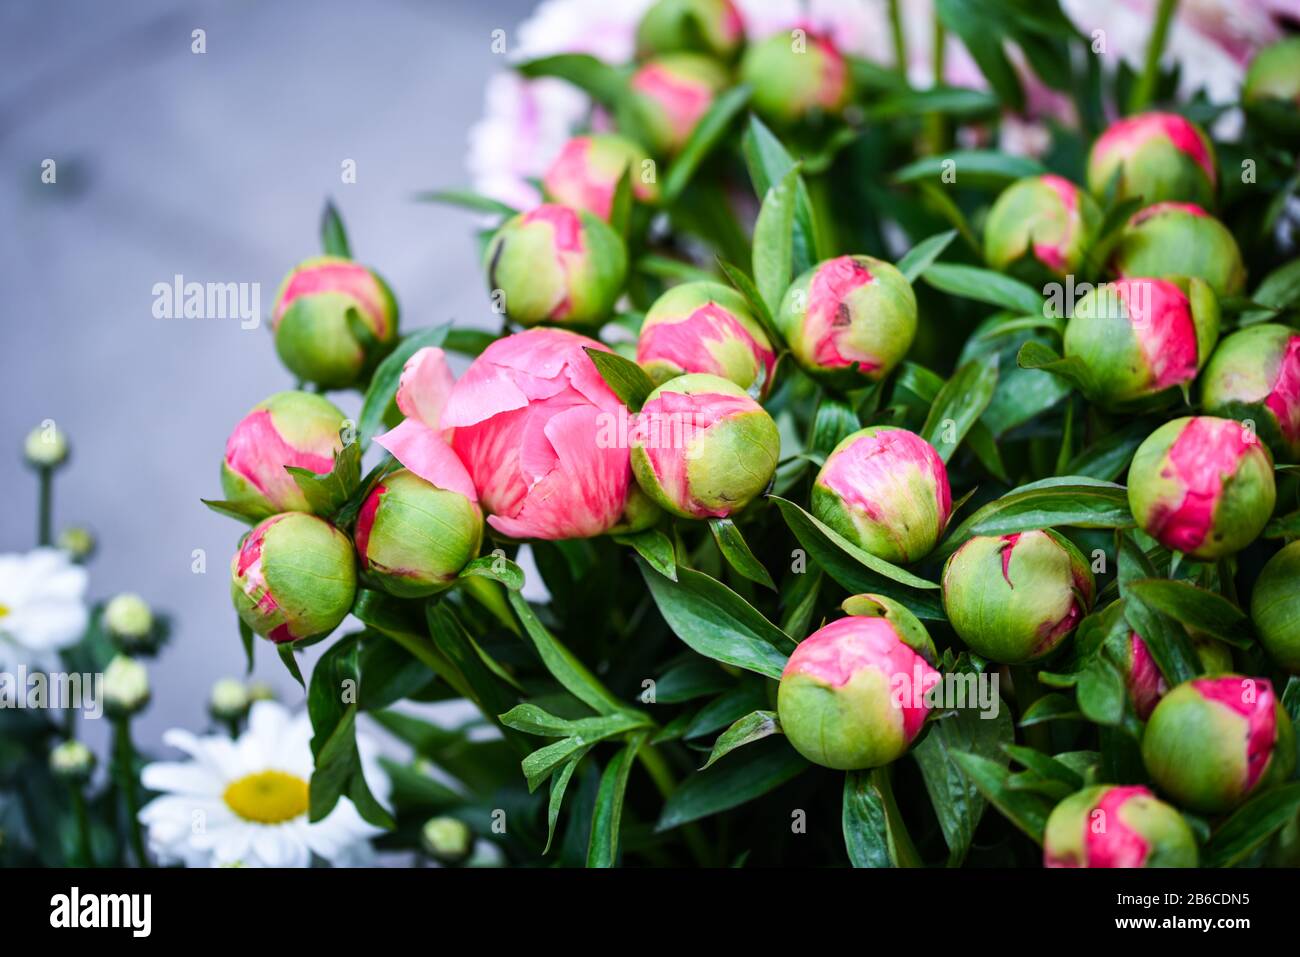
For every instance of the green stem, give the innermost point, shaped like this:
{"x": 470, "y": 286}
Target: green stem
{"x": 125, "y": 753}
{"x": 936, "y": 129}
{"x": 1145, "y": 87}
{"x": 87, "y": 856}
{"x": 44, "y": 535}
{"x": 904, "y": 849}
{"x": 900, "y": 41}
{"x": 666, "y": 783}
{"x": 436, "y": 662}
{"x": 1028, "y": 690}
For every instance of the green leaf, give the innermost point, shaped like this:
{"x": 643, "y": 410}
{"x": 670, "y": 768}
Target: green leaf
{"x": 328, "y": 493}
{"x": 656, "y": 548}
{"x": 768, "y": 162}
{"x": 717, "y": 623}
{"x": 602, "y": 851}
{"x": 855, "y": 569}
{"x": 734, "y": 549}
{"x": 874, "y": 834}
{"x": 836, "y": 420}
{"x": 1280, "y": 290}
{"x": 290, "y": 662}
{"x": 745, "y": 286}
{"x": 947, "y": 100}
{"x": 466, "y": 199}
{"x": 1165, "y": 639}
{"x": 1035, "y": 355}
{"x": 247, "y": 639}
{"x": 1109, "y": 456}
{"x": 1025, "y": 810}
{"x": 750, "y": 774}
{"x": 236, "y": 510}
{"x": 380, "y": 406}
{"x": 984, "y": 285}
{"x": 543, "y": 762}
{"x": 496, "y": 567}
{"x": 956, "y": 801}
{"x": 921, "y": 256}
{"x": 970, "y": 20}
{"x": 560, "y": 784}
{"x": 625, "y": 378}
{"x": 674, "y": 270}
{"x": 707, "y": 134}
{"x": 571, "y": 673}
{"x": 333, "y": 237}
{"x": 774, "y": 240}
{"x": 960, "y": 403}
{"x": 1101, "y": 693}
{"x": 531, "y": 719}
{"x": 972, "y": 168}
{"x": 1050, "y": 707}
{"x": 599, "y": 80}
{"x": 752, "y": 727}
{"x": 1196, "y": 608}
{"x": 1285, "y": 526}
{"x": 1251, "y": 825}
{"x": 1066, "y": 500}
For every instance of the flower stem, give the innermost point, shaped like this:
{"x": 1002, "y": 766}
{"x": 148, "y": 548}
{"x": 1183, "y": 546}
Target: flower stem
{"x": 125, "y": 753}
{"x": 1145, "y": 87}
{"x": 904, "y": 850}
{"x": 87, "y": 855}
{"x": 44, "y": 535}
{"x": 900, "y": 41}
{"x": 936, "y": 129}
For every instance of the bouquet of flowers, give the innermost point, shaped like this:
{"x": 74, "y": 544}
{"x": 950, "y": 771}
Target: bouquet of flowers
{"x": 844, "y": 480}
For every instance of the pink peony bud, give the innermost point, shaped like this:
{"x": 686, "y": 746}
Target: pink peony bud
{"x": 1140, "y": 338}
{"x": 886, "y": 490}
{"x": 1180, "y": 240}
{"x": 1271, "y": 91}
{"x": 312, "y": 334}
{"x": 539, "y": 433}
{"x": 1040, "y": 225}
{"x": 1160, "y": 156}
{"x": 671, "y": 93}
{"x": 699, "y": 26}
{"x": 795, "y": 75}
{"x": 1213, "y": 741}
{"x": 1202, "y": 486}
{"x": 703, "y": 448}
{"x": 289, "y": 428}
{"x": 849, "y": 321}
{"x": 589, "y": 169}
{"x": 1146, "y": 685}
{"x": 705, "y": 327}
{"x": 853, "y": 694}
{"x": 1255, "y": 375}
{"x": 556, "y": 264}
{"x": 1117, "y": 826}
{"x": 293, "y": 577}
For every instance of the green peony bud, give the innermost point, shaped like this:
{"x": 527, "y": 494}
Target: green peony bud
{"x": 1271, "y": 93}
{"x": 703, "y": 448}
{"x": 712, "y": 27}
{"x": 1155, "y": 156}
{"x": 796, "y": 75}
{"x": 293, "y": 577}
{"x": 1113, "y": 826}
{"x": 1015, "y": 598}
{"x": 1040, "y": 228}
{"x": 671, "y": 94}
{"x": 1275, "y": 607}
{"x": 414, "y": 538}
{"x": 1254, "y": 375}
{"x": 556, "y": 264}
{"x": 1179, "y": 241}
{"x": 1211, "y": 742}
{"x": 314, "y": 336}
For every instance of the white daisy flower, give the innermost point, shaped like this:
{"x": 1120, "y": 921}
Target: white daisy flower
{"x": 42, "y": 608}
{"x": 244, "y": 802}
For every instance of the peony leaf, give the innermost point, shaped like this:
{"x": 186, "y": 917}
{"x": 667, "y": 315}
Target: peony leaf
{"x": 466, "y": 199}
{"x": 750, "y": 774}
{"x": 752, "y": 727}
{"x": 625, "y": 378}
{"x": 921, "y": 256}
{"x": 774, "y": 239}
{"x": 984, "y": 285}
{"x": 980, "y": 168}
{"x": 874, "y": 833}
{"x": 1251, "y": 825}
{"x": 769, "y": 162}
{"x": 602, "y": 850}
{"x": 1196, "y": 608}
{"x": 706, "y": 135}
{"x": 379, "y": 408}
{"x": 333, "y": 237}
{"x": 960, "y": 403}
{"x": 731, "y": 543}
{"x": 1025, "y": 810}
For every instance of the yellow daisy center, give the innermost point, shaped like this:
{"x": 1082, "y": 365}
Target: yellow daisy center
{"x": 4, "y": 610}
{"x": 267, "y": 797}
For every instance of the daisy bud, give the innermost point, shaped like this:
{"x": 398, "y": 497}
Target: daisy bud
{"x": 1117, "y": 826}
{"x": 1275, "y": 607}
{"x": 79, "y": 542}
{"x": 1040, "y": 225}
{"x": 260, "y": 691}
{"x": 1271, "y": 93}
{"x": 414, "y": 538}
{"x": 713, "y": 27}
{"x": 1213, "y": 741}
{"x": 587, "y": 173}
{"x": 796, "y": 75}
{"x": 72, "y": 761}
{"x": 886, "y": 490}
{"x": 703, "y": 448}
{"x": 1139, "y": 338}
{"x": 705, "y": 327}
{"x": 46, "y": 447}
{"x": 1202, "y": 486}
{"x": 852, "y": 695}
{"x": 289, "y": 428}
{"x": 129, "y": 620}
{"x": 447, "y": 840}
{"x": 1160, "y": 156}
{"x": 1255, "y": 375}
{"x": 229, "y": 700}
{"x": 313, "y": 336}
{"x": 556, "y": 264}
{"x": 671, "y": 93}
{"x": 293, "y": 577}
{"x": 849, "y": 321}
{"x": 1015, "y": 598}
{"x": 126, "y": 686}
{"x": 1169, "y": 240}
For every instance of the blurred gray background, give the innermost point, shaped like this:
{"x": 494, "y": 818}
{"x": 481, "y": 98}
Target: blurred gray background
{"x": 216, "y": 167}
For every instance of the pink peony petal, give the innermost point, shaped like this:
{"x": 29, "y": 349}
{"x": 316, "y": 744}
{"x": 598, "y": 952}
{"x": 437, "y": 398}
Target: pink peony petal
{"x": 425, "y": 385}
{"x": 423, "y": 451}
